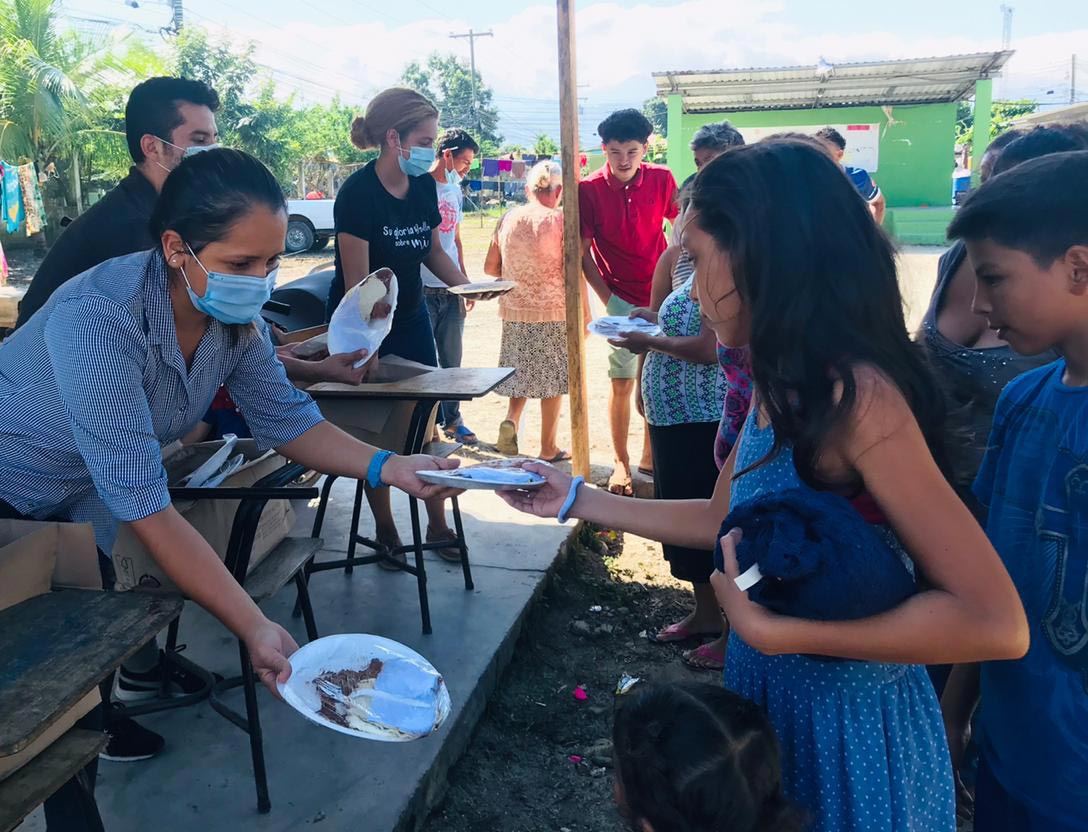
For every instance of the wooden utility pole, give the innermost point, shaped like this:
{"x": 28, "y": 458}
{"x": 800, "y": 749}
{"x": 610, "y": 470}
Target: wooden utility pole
{"x": 572, "y": 238}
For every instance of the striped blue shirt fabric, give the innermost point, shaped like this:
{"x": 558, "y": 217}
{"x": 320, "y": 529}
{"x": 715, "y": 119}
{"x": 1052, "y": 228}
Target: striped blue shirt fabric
{"x": 94, "y": 385}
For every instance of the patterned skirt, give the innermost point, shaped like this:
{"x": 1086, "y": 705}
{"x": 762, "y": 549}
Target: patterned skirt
{"x": 538, "y": 354}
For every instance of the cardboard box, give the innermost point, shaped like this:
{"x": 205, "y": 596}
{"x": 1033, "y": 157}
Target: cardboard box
{"x": 34, "y": 557}
{"x": 382, "y": 423}
{"x": 212, "y": 518}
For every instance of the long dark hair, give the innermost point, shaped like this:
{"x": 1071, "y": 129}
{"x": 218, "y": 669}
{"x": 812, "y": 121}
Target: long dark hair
{"x": 818, "y": 279}
{"x": 694, "y": 757}
{"x": 208, "y": 192}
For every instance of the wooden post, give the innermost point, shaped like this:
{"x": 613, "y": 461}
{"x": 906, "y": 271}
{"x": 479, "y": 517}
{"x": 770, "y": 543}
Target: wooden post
{"x": 572, "y": 238}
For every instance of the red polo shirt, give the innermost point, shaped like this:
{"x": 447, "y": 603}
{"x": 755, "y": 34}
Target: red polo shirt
{"x": 624, "y": 223}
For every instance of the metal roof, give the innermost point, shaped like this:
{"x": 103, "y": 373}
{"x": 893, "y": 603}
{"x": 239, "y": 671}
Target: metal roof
{"x": 912, "y": 81}
{"x": 1062, "y": 115}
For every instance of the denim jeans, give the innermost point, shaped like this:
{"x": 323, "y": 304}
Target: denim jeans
{"x": 447, "y": 313}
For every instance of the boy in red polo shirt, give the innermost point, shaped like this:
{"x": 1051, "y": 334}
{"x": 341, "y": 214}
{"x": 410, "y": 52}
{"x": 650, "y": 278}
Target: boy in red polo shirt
{"x": 623, "y": 207}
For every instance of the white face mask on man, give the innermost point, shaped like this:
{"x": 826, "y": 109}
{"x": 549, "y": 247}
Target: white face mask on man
{"x": 192, "y": 150}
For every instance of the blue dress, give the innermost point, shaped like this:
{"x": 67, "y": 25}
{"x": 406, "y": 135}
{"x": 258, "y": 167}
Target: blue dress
{"x": 863, "y": 743}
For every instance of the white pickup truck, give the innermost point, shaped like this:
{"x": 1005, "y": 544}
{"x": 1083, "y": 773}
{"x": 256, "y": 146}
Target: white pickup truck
{"x": 309, "y": 224}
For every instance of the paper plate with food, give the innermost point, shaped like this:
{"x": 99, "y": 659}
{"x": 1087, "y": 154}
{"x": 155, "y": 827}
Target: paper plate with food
{"x": 482, "y": 289}
{"x": 616, "y": 326}
{"x": 364, "y": 317}
{"x": 367, "y": 686}
{"x": 498, "y": 475}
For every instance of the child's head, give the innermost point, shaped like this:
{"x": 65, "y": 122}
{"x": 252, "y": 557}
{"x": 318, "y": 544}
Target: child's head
{"x": 624, "y": 136}
{"x": 694, "y": 757}
{"x": 1027, "y": 236}
{"x": 1042, "y": 141}
{"x": 790, "y": 263}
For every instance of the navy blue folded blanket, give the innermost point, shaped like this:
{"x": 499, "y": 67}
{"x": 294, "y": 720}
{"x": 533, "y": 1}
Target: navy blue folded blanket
{"x": 819, "y": 558}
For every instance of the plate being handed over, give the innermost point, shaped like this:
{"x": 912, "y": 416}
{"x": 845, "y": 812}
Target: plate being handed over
{"x": 482, "y": 289}
{"x": 499, "y": 475}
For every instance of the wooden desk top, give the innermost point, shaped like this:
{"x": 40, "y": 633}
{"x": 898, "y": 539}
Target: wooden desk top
{"x": 54, "y": 649}
{"x": 458, "y": 383}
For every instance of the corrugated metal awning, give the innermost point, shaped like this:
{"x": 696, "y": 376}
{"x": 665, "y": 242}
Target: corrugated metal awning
{"x": 913, "y": 81}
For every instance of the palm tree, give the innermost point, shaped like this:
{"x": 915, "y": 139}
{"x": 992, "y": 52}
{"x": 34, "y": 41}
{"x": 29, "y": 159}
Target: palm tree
{"x": 48, "y": 84}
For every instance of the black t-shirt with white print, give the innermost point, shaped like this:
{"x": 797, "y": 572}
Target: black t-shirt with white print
{"x": 398, "y": 231}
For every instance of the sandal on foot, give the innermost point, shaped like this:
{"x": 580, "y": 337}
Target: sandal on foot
{"x": 646, "y": 472}
{"x": 453, "y": 554}
{"x": 508, "y": 438}
{"x": 704, "y": 657}
{"x": 562, "y": 456}
{"x": 387, "y": 547}
{"x": 462, "y": 434}
{"x": 677, "y": 632}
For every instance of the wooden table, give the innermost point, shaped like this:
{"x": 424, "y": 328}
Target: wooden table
{"x": 55, "y": 648}
{"x": 425, "y": 391}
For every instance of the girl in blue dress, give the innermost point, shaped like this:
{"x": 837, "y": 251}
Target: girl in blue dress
{"x": 790, "y": 263}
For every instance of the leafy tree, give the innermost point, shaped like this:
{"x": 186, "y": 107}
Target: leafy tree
{"x": 1002, "y": 114}
{"x": 447, "y": 81}
{"x": 545, "y": 145}
{"x": 657, "y": 111}
{"x": 50, "y": 83}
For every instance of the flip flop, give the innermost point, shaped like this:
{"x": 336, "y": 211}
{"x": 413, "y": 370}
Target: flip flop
{"x": 562, "y": 456}
{"x": 704, "y": 657}
{"x": 508, "y": 438}
{"x": 648, "y": 472}
{"x": 462, "y": 434}
{"x": 677, "y": 632}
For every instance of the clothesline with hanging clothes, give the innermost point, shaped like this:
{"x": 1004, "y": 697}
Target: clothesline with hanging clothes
{"x": 504, "y": 171}
{"x": 21, "y": 198}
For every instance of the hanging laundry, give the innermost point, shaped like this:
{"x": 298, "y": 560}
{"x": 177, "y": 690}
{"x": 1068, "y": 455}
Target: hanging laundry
{"x": 506, "y": 165}
{"x": 475, "y": 185}
{"x": 3, "y": 266}
{"x": 530, "y": 159}
{"x": 491, "y": 167}
{"x": 12, "y": 198}
{"x": 32, "y": 199}
{"x": 518, "y": 169}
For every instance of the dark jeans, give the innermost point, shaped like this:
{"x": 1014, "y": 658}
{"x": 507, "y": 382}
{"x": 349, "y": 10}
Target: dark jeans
{"x": 67, "y": 809}
{"x": 447, "y": 314}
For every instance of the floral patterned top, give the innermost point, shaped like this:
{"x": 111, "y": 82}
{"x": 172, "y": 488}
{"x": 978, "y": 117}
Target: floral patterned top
{"x": 737, "y": 371}
{"x": 530, "y": 239}
{"x": 676, "y": 392}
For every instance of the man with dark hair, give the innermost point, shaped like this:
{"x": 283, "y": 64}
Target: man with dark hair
{"x": 165, "y": 119}
{"x": 623, "y": 208}
{"x": 456, "y": 150}
{"x": 1042, "y": 141}
{"x": 836, "y": 145}
{"x": 997, "y": 144}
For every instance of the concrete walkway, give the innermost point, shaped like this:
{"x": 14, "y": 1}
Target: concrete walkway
{"x": 203, "y": 779}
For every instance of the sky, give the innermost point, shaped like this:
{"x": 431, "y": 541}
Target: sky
{"x": 319, "y": 48}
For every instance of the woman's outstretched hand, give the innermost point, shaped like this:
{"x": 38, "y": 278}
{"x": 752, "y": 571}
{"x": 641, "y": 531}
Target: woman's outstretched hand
{"x": 400, "y": 472}
{"x": 546, "y": 500}
{"x": 269, "y": 647}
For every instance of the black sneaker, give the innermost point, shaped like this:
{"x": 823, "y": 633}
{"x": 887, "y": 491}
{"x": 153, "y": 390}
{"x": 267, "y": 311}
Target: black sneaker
{"x": 135, "y": 686}
{"x": 129, "y": 741}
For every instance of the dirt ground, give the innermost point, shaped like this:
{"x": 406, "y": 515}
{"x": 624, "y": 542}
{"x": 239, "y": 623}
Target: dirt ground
{"x": 518, "y": 774}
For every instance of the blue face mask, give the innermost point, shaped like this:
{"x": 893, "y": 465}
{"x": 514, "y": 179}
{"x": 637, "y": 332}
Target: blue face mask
{"x": 231, "y": 298}
{"x": 454, "y": 178}
{"x": 419, "y": 160}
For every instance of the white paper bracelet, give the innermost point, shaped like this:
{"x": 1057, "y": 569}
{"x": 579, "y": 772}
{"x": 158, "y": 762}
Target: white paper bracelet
{"x": 749, "y": 579}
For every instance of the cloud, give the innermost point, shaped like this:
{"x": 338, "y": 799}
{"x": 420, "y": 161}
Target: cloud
{"x": 618, "y": 47}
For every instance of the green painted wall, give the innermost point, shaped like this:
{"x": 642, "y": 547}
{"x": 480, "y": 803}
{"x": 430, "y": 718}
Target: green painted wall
{"x": 916, "y": 151}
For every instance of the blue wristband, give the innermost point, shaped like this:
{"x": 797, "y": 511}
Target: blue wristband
{"x": 568, "y": 504}
{"x": 374, "y": 470}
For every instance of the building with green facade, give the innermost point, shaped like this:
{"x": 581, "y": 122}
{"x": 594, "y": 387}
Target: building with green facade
{"x": 898, "y": 118}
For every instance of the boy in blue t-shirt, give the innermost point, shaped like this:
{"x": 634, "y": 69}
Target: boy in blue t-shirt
{"x": 1027, "y": 237}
